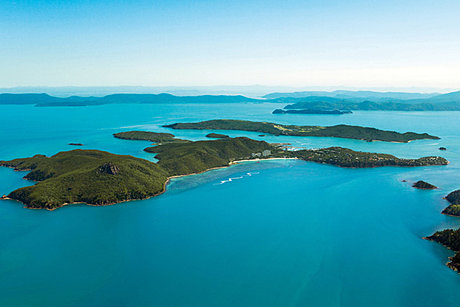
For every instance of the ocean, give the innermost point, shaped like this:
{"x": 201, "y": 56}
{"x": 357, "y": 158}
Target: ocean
{"x": 280, "y": 233}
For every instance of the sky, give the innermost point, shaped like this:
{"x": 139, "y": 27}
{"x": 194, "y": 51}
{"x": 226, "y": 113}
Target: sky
{"x": 329, "y": 43}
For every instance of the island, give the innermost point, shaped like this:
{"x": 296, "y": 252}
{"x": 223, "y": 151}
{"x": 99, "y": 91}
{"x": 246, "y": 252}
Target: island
{"x": 454, "y": 208}
{"x": 442, "y": 148}
{"x": 345, "y": 157}
{"x": 422, "y": 185}
{"x": 86, "y": 176}
{"x": 339, "y": 131}
{"x": 216, "y": 136}
{"x": 156, "y": 137}
{"x": 311, "y": 111}
{"x": 450, "y": 238}
{"x": 75, "y": 144}
{"x": 100, "y": 178}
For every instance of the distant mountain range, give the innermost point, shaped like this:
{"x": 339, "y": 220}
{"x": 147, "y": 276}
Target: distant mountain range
{"x": 337, "y": 100}
{"x": 342, "y": 94}
{"x": 440, "y": 102}
{"x": 45, "y": 100}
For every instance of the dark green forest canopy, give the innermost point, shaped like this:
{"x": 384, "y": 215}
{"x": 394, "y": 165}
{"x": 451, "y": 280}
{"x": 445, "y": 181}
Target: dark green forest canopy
{"x": 149, "y": 136}
{"x": 86, "y": 176}
{"x": 454, "y": 208}
{"x": 195, "y": 157}
{"x": 451, "y": 239}
{"x": 340, "y": 131}
{"x": 345, "y": 157}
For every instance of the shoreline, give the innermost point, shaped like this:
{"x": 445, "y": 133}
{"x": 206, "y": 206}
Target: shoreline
{"x": 168, "y": 180}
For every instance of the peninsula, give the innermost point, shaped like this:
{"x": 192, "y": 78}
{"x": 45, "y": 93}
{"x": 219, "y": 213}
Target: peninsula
{"x": 101, "y": 178}
{"x": 338, "y": 131}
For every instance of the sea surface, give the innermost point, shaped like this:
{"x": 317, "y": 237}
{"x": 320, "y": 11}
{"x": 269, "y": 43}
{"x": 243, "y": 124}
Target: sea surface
{"x": 280, "y": 233}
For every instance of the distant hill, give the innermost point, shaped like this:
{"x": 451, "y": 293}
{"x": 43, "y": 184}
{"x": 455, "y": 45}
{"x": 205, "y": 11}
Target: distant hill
{"x": 45, "y": 100}
{"x": 444, "y": 102}
{"x": 364, "y": 95}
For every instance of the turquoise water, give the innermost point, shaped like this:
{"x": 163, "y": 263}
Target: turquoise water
{"x": 291, "y": 233}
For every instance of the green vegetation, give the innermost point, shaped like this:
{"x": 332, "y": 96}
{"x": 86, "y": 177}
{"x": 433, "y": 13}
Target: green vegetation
{"x": 216, "y": 136}
{"x": 345, "y": 157}
{"x": 340, "y": 131}
{"x": 101, "y": 178}
{"x": 451, "y": 239}
{"x": 86, "y": 176}
{"x": 454, "y": 208}
{"x": 196, "y": 157}
{"x": 424, "y": 185}
{"x": 161, "y": 138}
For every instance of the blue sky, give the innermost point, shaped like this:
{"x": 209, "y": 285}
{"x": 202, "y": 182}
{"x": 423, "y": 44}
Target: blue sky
{"x": 360, "y": 44}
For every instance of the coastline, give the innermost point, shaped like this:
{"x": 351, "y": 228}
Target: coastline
{"x": 168, "y": 180}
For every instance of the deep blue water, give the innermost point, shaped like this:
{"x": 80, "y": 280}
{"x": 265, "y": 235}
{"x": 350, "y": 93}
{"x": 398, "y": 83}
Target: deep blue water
{"x": 290, "y": 234}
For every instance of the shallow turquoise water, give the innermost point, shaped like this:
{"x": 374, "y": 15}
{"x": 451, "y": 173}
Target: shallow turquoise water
{"x": 291, "y": 234}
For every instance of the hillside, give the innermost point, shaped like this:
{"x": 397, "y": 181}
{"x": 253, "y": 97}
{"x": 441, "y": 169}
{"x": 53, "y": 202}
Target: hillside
{"x": 196, "y": 157}
{"x": 86, "y": 176}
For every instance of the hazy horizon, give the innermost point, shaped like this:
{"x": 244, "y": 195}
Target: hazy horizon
{"x": 246, "y": 90}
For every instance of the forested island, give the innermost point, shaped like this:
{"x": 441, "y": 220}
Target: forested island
{"x": 345, "y": 157}
{"x": 339, "y": 131}
{"x": 422, "y": 185}
{"x": 101, "y": 178}
{"x": 86, "y": 176}
{"x": 156, "y": 137}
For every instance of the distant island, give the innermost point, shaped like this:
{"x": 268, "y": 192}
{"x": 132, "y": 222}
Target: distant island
{"x": 424, "y": 185}
{"x": 339, "y": 131}
{"x": 216, "y": 136}
{"x": 368, "y": 101}
{"x": 160, "y": 138}
{"x": 75, "y": 144}
{"x": 101, "y": 178}
{"x": 309, "y": 111}
{"x": 314, "y": 100}
{"x": 45, "y": 100}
